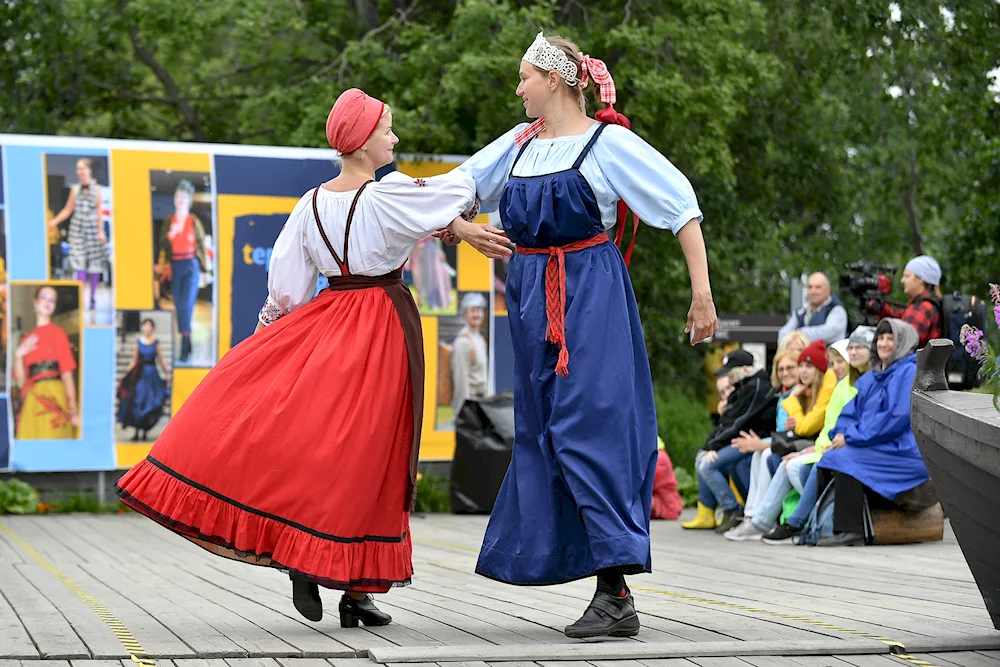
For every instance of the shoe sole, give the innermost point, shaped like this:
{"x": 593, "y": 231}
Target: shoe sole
{"x": 627, "y": 627}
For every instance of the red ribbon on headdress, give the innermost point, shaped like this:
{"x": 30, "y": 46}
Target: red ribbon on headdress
{"x": 596, "y": 69}
{"x": 352, "y": 120}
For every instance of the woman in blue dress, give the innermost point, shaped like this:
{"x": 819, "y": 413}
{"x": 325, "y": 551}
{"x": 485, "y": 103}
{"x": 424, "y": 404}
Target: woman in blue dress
{"x": 143, "y": 392}
{"x": 576, "y": 498}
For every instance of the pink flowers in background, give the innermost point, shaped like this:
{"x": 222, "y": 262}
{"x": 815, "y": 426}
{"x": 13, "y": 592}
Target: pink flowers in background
{"x": 979, "y": 349}
{"x": 972, "y": 339}
{"x": 995, "y": 295}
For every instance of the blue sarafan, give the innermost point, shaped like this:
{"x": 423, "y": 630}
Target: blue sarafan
{"x": 577, "y": 495}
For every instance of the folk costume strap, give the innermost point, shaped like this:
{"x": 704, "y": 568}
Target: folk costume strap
{"x": 544, "y": 56}
{"x": 341, "y": 264}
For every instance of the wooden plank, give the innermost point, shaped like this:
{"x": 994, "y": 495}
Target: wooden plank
{"x": 556, "y": 608}
{"x": 28, "y": 529}
{"x": 964, "y": 659}
{"x": 302, "y": 662}
{"x": 153, "y": 596}
{"x": 945, "y": 642}
{"x": 45, "y": 663}
{"x": 98, "y": 637}
{"x": 718, "y": 662}
{"x": 482, "y": 625}
{"x": 270, "y": 612}
{"x": 195, "y": 662}
{"x": 245, "y": 638}
{"x": 50, "y": 631}
{"x": 251, "y": 662}
{"x": 995, "y": 655}
{"x": 96, "y": 663}
{"x": 154, "y": 637}
{"x": 626, "y": 650}
{"x": 561, "y": 663}
{"x": 14, "y": 638}
{"x": 667, "y": 662}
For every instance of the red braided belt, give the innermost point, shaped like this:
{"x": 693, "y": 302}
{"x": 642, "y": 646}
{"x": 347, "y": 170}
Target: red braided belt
{"x": 555, "y": 291}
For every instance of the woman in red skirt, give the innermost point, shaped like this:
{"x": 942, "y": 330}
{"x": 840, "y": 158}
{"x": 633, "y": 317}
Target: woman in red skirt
{"x": 299, "y": 449}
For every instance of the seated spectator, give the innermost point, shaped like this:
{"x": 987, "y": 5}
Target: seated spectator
{"x": 808, "y": 400}
{"x": 921, "y": 278}
{"x": 858, "y": 353}
{"x": 784, "y": 376}
{"x": 751, "y": 406}
{"x": 724, "y": 387}
{"x": 872, "y": 453}
{"x": 667, "y": 501}
{"x": 795, "y": 341}
{"x": 823, "y": 318}
{"x": 806, "y": 406}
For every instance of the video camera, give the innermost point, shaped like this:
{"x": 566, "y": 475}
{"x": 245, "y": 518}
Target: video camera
{"x": 869, "y": 284}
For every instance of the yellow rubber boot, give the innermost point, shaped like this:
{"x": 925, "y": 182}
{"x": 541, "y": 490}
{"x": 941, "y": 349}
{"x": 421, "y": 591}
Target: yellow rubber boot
{"x": 705, "y": 519}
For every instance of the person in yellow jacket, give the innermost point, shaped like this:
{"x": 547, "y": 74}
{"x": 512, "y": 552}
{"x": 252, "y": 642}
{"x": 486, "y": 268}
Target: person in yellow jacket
{"x": 806, "y": 406}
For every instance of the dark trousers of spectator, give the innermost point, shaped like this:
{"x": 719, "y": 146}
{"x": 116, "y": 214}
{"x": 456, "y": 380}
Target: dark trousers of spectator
{"x": 849, "y": 503}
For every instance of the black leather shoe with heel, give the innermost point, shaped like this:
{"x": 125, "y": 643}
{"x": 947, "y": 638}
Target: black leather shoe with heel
{"x": 363, "y": 611}
{"x": 305, "y": 597}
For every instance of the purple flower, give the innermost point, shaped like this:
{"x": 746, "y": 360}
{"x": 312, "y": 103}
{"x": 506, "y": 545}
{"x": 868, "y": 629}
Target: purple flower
{"x": 996, "y": 313}
{"x": 972, "y": 339}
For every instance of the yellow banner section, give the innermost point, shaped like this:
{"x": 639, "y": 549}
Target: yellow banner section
{"x": 230, "y": 207}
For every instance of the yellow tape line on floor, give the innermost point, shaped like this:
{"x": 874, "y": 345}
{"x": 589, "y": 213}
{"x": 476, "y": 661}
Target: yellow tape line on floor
{"x": 897, "y": 649}
{"x": 134, "y": 648}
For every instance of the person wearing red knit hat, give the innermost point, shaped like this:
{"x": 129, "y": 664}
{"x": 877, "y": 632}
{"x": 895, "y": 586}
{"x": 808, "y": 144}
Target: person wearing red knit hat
{"x": 576, "y": 498}
{"x": 298, "y": 450}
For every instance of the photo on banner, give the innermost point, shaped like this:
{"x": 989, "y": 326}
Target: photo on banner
{"x": 143, "y": 374}
{"x": 79, "y": 229}
{"x": 463, "y": 357}
{"x": 499, "y": 273}
{"x": 431, "y": 275}
{"x": 4, "y": 430}
{"x": 46, "y": 326}
{"x": 183, "y": 261}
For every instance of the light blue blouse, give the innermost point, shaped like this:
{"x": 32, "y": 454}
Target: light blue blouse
{"x": 621, "y": 165}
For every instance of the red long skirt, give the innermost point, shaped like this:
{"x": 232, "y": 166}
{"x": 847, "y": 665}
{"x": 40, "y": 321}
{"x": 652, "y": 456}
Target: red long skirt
{"x": 294, "y": 452}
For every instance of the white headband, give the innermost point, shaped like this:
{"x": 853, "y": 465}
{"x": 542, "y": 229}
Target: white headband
{"x": 544, "y": 56}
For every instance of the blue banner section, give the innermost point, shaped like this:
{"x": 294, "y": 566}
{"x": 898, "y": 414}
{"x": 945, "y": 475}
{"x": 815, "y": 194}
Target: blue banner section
{"x": 270, "y": 177}
{"x": 24, "y": 210}
{"x": 253, "y": 238}
{"x": 503, "y": 355}
{"x": 95, "y": 448}
{"x": 4, "y": 435}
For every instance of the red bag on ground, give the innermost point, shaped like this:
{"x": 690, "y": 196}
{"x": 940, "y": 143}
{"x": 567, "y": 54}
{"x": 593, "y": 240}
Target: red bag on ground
{"x": 667, "y": 502}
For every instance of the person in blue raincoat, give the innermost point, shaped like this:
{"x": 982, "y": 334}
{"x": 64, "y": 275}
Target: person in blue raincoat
{"x": 576, "y": 498}
{"x": 873, "y": 452}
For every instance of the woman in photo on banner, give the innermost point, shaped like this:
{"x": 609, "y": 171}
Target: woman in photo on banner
{"x": 299, "y": 449}
{"x": 576, "y": 498}
{"x": 142, "y": 392}
{"x": 88, "y": 252}
{"x": 182, "y": 253}
{"x": 43, "y": 369}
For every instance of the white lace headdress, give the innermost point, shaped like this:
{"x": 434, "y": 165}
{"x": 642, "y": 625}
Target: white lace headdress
{"x": 544, "y": 56}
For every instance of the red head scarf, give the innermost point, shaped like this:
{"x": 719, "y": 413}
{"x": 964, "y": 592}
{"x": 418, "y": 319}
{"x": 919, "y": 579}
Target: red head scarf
{"x": 352, "y": 120}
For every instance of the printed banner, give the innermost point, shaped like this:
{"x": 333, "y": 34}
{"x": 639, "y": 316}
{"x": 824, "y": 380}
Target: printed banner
{"x": 140, "y": 264}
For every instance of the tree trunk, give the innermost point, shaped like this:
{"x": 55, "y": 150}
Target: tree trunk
{"x": 368, "y": 13}
{"x": 912, "y": 176}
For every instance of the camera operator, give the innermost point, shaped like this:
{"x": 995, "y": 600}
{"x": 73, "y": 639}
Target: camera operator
{"x": 921, "y": 278}
{"x": 825, "y": 317}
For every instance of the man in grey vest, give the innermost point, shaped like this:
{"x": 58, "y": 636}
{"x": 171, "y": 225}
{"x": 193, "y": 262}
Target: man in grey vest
{"x": 823, "y": 318}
